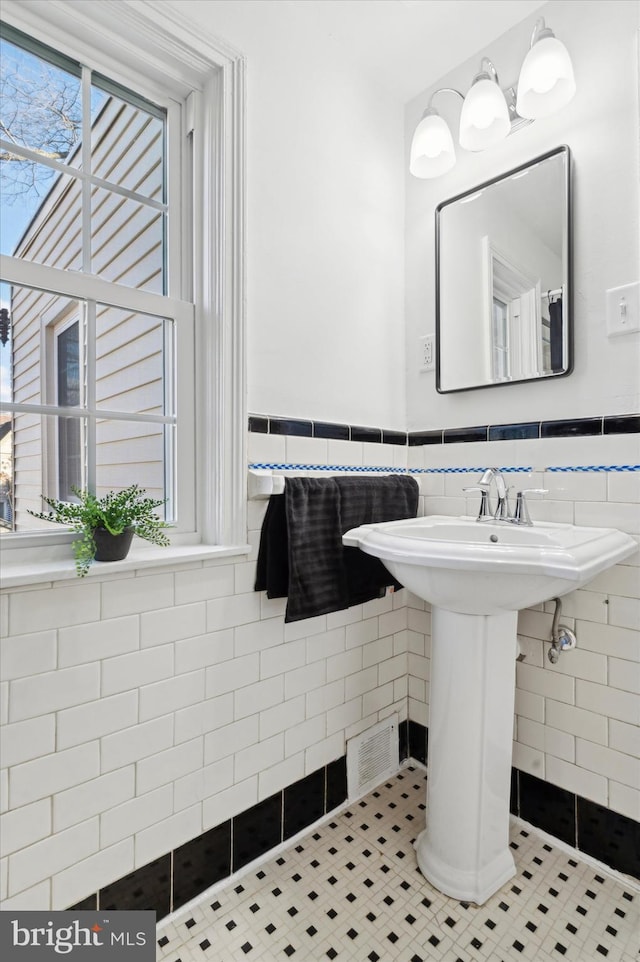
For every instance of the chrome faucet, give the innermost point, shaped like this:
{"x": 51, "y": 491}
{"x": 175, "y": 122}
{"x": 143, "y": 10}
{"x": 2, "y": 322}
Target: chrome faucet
{"x": 502, "y": 510}
{"x": 487, "y": 512}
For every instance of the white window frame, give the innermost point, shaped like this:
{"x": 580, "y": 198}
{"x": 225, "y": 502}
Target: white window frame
{"x": 209, "y": 76}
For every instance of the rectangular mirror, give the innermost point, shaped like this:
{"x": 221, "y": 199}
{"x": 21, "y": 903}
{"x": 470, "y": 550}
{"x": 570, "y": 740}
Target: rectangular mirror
{"x": 503, "y": 279}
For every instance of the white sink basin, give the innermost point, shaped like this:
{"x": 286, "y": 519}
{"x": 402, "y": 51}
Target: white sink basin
{"x": 484, "y": 567}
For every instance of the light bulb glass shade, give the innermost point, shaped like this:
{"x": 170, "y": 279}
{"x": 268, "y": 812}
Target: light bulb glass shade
{"x": 546, "y": 79}
{"x": 432, "y": 150}
{"x": 484, "y": 120}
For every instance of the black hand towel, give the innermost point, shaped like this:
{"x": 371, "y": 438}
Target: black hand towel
{"x": 317, "y": 581}
{"x": 325, "y": 576}
{"x": 365, "y": 501}
{"x": 272, "y": 569}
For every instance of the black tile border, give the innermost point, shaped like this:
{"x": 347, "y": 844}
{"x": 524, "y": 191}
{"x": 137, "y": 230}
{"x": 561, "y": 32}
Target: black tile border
{"x": 625, "y": 424}
{"x": 167, "y": 883}
{"x": 464, "y": 435}
{"x": 514, "y": 432}
{"x": 575, "y": 428}
{"x": 606, "y": 835}
{"x": 522, "y": 430}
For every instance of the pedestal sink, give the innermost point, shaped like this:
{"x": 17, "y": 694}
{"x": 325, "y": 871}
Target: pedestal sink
{"x": 477, "y": 576}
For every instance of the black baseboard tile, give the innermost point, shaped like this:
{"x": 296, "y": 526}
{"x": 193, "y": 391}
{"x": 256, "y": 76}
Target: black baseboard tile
{"x": 418, "y": 742}
{"x": 304, "y": 803}
{"x": 200, "y": 863}
{"x": 256, "y": 830}
{"x": 608, "y": 836}
{"x": 148, "y": 889}
{"x": 547, "y": 807}
{"x": 336, "y": 783}
{"x": 403, "y": 740}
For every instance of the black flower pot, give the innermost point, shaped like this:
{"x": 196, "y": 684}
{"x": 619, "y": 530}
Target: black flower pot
{"x": 112, "y": 547}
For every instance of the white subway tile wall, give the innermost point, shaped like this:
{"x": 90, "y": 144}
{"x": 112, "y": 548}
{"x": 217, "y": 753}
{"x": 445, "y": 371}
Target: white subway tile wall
{"x": 140, "y": 711}
{"x": 144, "y": 710}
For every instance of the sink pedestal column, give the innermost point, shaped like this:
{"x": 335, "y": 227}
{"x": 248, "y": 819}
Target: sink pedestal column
{"x": 464, "y": 850}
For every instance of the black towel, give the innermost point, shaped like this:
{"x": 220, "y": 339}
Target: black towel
{"x": 317, "y": 572}
{"x": 365, "y": 501}
{"x": 272, "y": 570}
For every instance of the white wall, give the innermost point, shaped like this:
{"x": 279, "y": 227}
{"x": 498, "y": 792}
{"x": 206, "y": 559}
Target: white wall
{"x": 325, "y": 177}
{"x": 601, "y": 127}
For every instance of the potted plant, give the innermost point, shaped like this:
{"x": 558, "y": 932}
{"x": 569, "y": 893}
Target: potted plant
{"x": 107, "y": 525}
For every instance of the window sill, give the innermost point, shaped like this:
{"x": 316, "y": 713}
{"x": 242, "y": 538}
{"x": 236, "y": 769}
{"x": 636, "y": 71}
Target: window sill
{"x": 15, "y": 575}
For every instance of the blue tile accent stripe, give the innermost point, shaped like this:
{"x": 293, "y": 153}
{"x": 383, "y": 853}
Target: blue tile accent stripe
{"x": 469, "y": 470}
{"x": 597, "y": 467}
{"x": 472, "y": 469}
{"x": 348, "y": 468}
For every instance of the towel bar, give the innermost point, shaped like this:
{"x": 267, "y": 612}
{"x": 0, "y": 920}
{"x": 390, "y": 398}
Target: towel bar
{"x": 261, "y": 484}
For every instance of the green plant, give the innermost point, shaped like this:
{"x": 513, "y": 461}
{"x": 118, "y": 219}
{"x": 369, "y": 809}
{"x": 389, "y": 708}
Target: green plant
{"x": 116, "y": 511}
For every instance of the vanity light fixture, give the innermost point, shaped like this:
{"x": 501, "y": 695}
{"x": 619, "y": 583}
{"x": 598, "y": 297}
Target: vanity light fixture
{"x": 489, "y": 112}
{"x": 432, "y": 150}
{"x": 484, "y": 120}
{"x": 546, "y": 77}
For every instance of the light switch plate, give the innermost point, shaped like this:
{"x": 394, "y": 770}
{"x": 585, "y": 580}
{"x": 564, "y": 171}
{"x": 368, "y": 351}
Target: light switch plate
{"x": 623, "y": 309}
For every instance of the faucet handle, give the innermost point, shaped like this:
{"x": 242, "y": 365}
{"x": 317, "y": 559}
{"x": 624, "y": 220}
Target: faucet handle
{"x": 485, "y": 507}
{"x": 521, "y": 513}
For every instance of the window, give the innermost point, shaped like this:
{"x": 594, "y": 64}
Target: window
{"x": 121, "y": 333}
{"x": 86, "y": 189}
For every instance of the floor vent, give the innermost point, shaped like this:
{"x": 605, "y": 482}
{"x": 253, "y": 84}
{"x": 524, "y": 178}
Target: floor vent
{"x": 372, "y": 756}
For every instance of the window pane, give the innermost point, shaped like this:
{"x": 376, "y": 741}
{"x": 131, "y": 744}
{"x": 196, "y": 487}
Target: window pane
{"x": 127, "y": 145}
{"x": 130, "y": 452}
{"x": 127, "y": 241}
{"x": 41, "y": 106}
{"x": 31, "y": 468}
{"x": 37, "y": 318}
{"x": 44, "y": 225}
{"x": 6, "y": 473}
{"x": 132, "y": 358}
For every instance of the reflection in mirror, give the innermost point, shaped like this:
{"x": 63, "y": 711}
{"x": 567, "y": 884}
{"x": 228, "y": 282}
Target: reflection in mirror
{"x": 503, "y": 279}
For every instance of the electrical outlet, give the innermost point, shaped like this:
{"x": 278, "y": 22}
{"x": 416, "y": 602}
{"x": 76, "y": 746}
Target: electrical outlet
{"x": 427, "y": 352}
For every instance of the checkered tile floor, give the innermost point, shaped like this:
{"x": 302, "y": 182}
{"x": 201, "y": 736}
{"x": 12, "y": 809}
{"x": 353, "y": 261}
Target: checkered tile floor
{"x": 350, "y": 890}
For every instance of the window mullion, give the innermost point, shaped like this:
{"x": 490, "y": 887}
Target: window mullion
{"x": 90, "y": 392}
{"x": 87, "y": 167}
